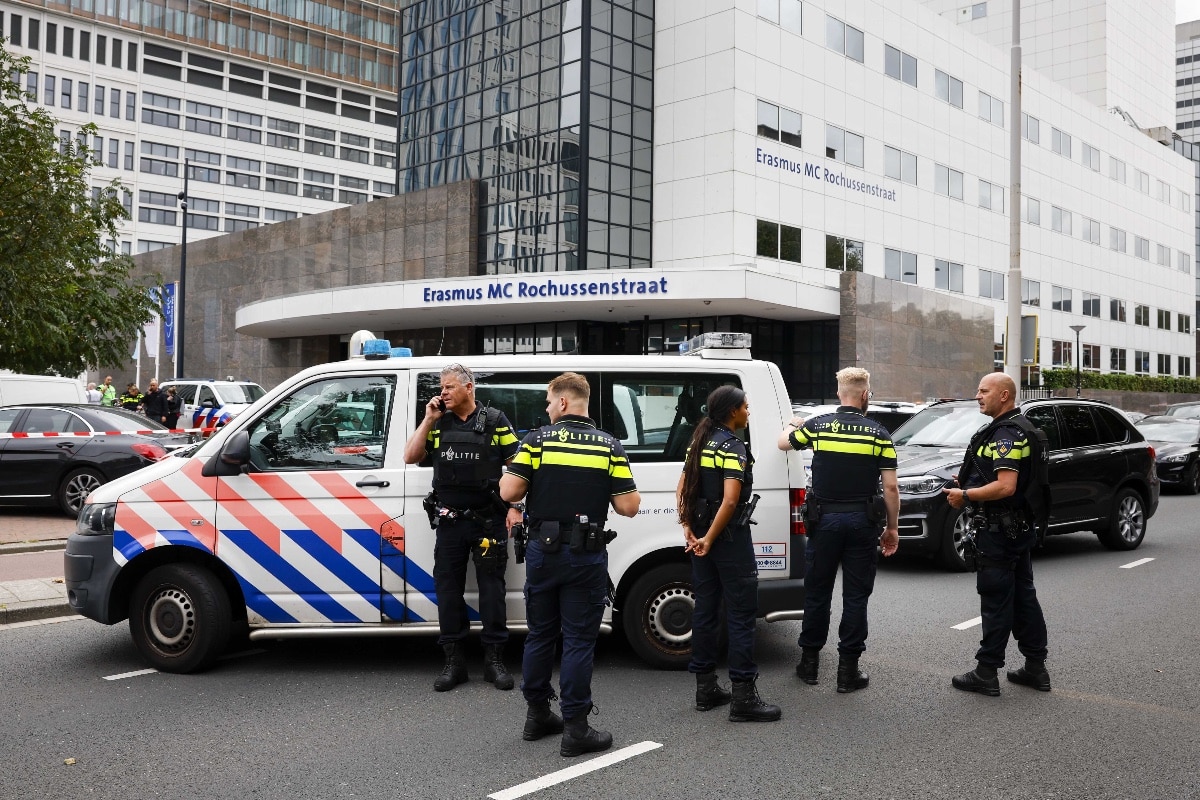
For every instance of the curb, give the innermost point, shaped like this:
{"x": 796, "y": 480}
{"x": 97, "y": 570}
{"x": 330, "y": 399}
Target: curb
{"x": 33, "y": 547}
{"x": 34, "y": 610}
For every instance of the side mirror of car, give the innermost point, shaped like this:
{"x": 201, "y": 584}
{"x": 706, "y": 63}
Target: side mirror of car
{"x": 234, "y": 458}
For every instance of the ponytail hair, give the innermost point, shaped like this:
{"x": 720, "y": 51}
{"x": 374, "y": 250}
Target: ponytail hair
{"x": 719, "y": 408}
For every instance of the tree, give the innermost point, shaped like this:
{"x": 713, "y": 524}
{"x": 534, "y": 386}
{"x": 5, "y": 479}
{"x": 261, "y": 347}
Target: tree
{"x": 67, "y": 300}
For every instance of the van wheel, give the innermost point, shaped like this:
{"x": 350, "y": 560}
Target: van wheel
{"x": 1128, "y": 525}
{"x": 179, "y": 617}
{"x": 657, "y": 616}
{"x": 76, "y": 487}
{"x": 952, "y": 541}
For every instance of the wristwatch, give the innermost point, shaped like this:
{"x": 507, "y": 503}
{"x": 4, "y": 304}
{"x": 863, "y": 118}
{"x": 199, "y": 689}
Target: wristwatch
{"x": 517, "y": 507}
{"x": 966, "y": 497}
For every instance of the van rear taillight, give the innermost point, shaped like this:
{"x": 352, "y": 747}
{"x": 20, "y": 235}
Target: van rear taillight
{"x": 1152, "y": 454}
{"x": 151, "y": 451}
{"x": 796, "y": 501}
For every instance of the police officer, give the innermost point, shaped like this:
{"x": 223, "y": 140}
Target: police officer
{"x": 852, "y": 455}
{"x": 572, "y": 472}
{"x": 995, "y": 475}
{"x": 132, "y": 399}
{"x": 467, "y": 445}
{"x": 714, "y": 502}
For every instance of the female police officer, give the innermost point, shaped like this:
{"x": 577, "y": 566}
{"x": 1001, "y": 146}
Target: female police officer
{"x": 713, "y": 509}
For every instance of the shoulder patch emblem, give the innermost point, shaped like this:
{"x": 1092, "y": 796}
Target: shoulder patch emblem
{"x": 1003, "y": 447}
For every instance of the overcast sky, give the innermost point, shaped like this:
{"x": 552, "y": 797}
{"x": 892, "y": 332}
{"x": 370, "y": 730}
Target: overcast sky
{"x": 1187, "y": 10}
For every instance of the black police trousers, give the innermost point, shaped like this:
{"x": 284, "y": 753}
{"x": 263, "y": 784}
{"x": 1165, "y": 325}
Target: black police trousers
{"x": 728, "y": 571}
{"x": 453, "y": 541}
{"x": 1007, "y": 599}
{"x": 849, "y": 540}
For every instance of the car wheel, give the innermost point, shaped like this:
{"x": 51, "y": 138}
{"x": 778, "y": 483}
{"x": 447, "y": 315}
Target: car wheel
{"x": 1191, "y": 481}
{"x": 1128, "y": 525}
{"x": 76, "y": 487}
{"x": 179, "y": 617}
{"x": 657, "y": 616}
{"x": 952, "y": 541}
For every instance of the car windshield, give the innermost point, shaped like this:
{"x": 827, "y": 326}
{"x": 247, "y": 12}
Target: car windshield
{"x": 240, "y": 392}
{"x": 941, "y": 426}
{"x": 1183, "y": 431}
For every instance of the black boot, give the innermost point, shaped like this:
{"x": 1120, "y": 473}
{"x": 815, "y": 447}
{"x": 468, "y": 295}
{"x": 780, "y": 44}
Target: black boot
{"x": 850, "y": 678}
{"x": 1032, "y": 674}
{"x": 494, "y": 671}
{"x": 747, "y": 706}
{"x": 709, "y": 693}
{"x": 455, "y": 671}
{"x": 982, "y": 679}
{"x": 541, "y": 721}
{"x": 810, "y": 662}
{"x": 579, "y": 737}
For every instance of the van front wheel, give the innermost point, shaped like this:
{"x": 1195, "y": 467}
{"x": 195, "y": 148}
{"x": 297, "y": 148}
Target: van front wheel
{"x": 180, "y": 618}
{"x": 657, "y": 616}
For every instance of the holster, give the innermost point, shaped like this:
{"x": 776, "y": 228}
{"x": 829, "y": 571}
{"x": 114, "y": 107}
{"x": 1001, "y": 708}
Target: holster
{"x": 743, "y": 515}
{"x": 430, "y": 504}
{"x": 590, "y": 537}
{"x": 877, "y": 509}
{"x": 520, "y": 537}
{"x": 490, "y": 554}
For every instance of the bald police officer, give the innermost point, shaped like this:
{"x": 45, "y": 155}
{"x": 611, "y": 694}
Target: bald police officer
{"x": 852, "y": 455}
{"x": 572, "y": 473}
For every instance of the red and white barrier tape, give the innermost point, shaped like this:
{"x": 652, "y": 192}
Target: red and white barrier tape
{"x": 79, "y": 434}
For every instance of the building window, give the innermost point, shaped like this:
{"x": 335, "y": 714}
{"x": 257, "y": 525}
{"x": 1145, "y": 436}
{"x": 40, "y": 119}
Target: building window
{"x": 899, "y": 266}
{"x": 1062, "y": 354}
{"x": 842, "y": 145}
{"x": 156, "y": 216}
{"x": 1091, "y": 304}
{"x": 785, "y": 13}
{"x": 1116, "y": 239}
{"x": 948, "y": 275}
{"x": 279, "y": 215}
{"x": 280, "y": 186}
{"x": 1031, "y": 292}
{"x": 1164, "y": 191}
{"x": 1164, "y": 255}
{"x": 1060, "y": 220}
{"x": 1033, "y": 211}
{"x": 843, "y": 254}
{"x": 1184, "y": 323}
{"x": 1031, "y": 128}
{"x": 1185, "y": 366}
{"x": 1164, "y": 319}
{"x": 1090, "y": 357}
{"x": 1143, "y": 182}
{"x": 1060, "y": 142}
{"x": 948, "y": 181}
{"x": 131, "y": 106}
{"x": 283, "y": 170}
{"x": 1141, "y": 248}
{"x": 1141, "y": 315}
{"x": 991, "y": 109}
{"x": 241, "y": 134}
{"x": 899, "y": 65}
{"x": 1116, "y": 169}
{"x": 114, "y": 153}
{"x": 777, "y": 241}
{"x": 1116, "y": 310}
{"x": 207, "y": 127}
{"x": 319, "y": 148}
{"x": 114, "y": 103}
{"x": 66, "y": 92}
{"x": 843, "y": 38}
{"x": 84, "y": 100}
{"x": 979, "y": 10}
{"x": 283, "y": 142}
{"x": 242, "y": 210}
{"x": 900, "y": 165}
{"x": 1141, "y": 362}
{"x": 991, "y": 196}
{"x": 235, "y": 225}
{"x": 1090, "y": 156}
{"x": 242, "y": 180}
{"x": 991, "y": 284}
{"x": 1060, "y": 298}
{"x": 1116, "y": 359}
{"x": 948, "y": 88}
{"x": 1090, "y": 231}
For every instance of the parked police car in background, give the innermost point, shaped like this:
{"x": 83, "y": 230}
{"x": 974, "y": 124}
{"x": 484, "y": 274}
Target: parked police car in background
{"x": 211, "y": 404}
{"x": 300, "y": 518}
{"x": 1102, "y": 475}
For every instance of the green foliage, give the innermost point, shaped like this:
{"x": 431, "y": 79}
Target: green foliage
{"x": 67, "y": 302}
{"x": 1065, "y": 379}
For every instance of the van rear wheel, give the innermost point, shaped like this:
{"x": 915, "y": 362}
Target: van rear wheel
{"x": 180, "y": 618}
{"x": 657, "y": 616}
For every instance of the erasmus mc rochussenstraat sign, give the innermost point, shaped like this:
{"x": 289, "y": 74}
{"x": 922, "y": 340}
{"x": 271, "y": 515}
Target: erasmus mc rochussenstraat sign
{"x": 584, "y": 288}
{"x": 817, "y": 172}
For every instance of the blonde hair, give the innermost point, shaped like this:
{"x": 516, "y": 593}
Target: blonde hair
{"x": 572, "y": 385}
{"x": 853, "y": 379}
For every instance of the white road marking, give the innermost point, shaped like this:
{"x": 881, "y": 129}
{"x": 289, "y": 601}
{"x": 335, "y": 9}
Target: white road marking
{"x": 32, "y": 622}
{"x": 971, "y": 623}
{"x": 563, "y": 775}
{"x": 1137, "y": 563}
{"x": 133, "y": 674}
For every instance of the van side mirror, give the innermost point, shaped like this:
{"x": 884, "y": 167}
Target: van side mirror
{"x": 234, "y": 458}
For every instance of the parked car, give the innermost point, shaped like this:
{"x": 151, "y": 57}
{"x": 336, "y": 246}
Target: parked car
{"x": 1189, "y": 410}
{"x": 95, "y": 447}
{"x": 211, "y": 404}
{"x": 1102, "y": 474}
{"x": 1176, "y": 443}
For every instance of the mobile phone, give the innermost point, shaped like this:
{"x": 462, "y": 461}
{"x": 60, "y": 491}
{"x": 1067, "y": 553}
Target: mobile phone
{"x": 441, "y": 404}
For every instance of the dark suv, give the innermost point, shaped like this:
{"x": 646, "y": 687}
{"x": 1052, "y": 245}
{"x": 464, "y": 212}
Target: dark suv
{"x": 1102, "y": 475}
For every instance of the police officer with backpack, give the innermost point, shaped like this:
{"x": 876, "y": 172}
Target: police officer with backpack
{"x": 1003, "y": 479}
{"x": 468, "y": 446}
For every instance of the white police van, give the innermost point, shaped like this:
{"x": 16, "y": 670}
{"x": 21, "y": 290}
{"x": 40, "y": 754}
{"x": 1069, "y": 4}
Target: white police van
{"x": 300, "y": 518}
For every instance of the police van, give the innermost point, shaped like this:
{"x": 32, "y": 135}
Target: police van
{"x": 299, "y": 518}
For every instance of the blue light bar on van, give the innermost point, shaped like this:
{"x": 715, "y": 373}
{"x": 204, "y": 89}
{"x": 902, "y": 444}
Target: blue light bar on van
{"x": 376, "y": 349}
{"x": 401, "y": 352}
{"x": 715, "y": 341}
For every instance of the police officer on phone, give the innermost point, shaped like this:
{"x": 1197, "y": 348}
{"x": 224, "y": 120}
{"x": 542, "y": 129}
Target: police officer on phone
{"x": 572, "y": 472}
{"x": 467, "y": 445}
{"x": 999, "y": 479}
{"x": 852, "y": 456}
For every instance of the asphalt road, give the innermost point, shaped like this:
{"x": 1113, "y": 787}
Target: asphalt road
{"x": 321, "y": 719}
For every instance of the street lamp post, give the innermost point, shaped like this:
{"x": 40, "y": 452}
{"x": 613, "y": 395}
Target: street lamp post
{"x": 1078, "y": 361}
{"x": 179, "y": 297}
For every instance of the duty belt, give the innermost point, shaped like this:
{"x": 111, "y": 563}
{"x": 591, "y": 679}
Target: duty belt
{"x": 828, "y": 507}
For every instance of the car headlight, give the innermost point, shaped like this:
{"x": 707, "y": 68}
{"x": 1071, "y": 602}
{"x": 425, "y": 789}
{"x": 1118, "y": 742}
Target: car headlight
{"x": 96, "y": 519}
{"x": 1175, "y": 459}
{"x": 921, "y": 484}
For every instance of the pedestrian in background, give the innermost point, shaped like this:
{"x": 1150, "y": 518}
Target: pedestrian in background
{"x": 108, "y": 392}
{"x": 714, "y": 502}
{"x": 154, "y": 404}
{"x": 852, "y": 456}
{"x": 174, "y": 408}
{"x": 93, "y": 395}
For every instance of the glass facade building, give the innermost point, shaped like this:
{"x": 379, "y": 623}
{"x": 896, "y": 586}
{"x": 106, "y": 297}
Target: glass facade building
{"x": 536, "y": 100}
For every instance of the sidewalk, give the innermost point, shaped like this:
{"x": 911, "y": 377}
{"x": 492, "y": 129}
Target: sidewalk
{"x": 25, "y": 531}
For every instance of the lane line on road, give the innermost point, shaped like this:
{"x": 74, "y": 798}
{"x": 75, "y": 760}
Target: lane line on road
{"x": 133, "y": 674}
{"x": 1137, "y": 563}
{"x": 575, "y": 771}
{"x": 31, "y": 622}
{"x": 971, "y": 623}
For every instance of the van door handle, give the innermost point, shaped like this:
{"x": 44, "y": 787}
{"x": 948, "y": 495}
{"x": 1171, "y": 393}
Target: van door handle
{"x": 66, "y": 445}
{"x": 380, "y": 484}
